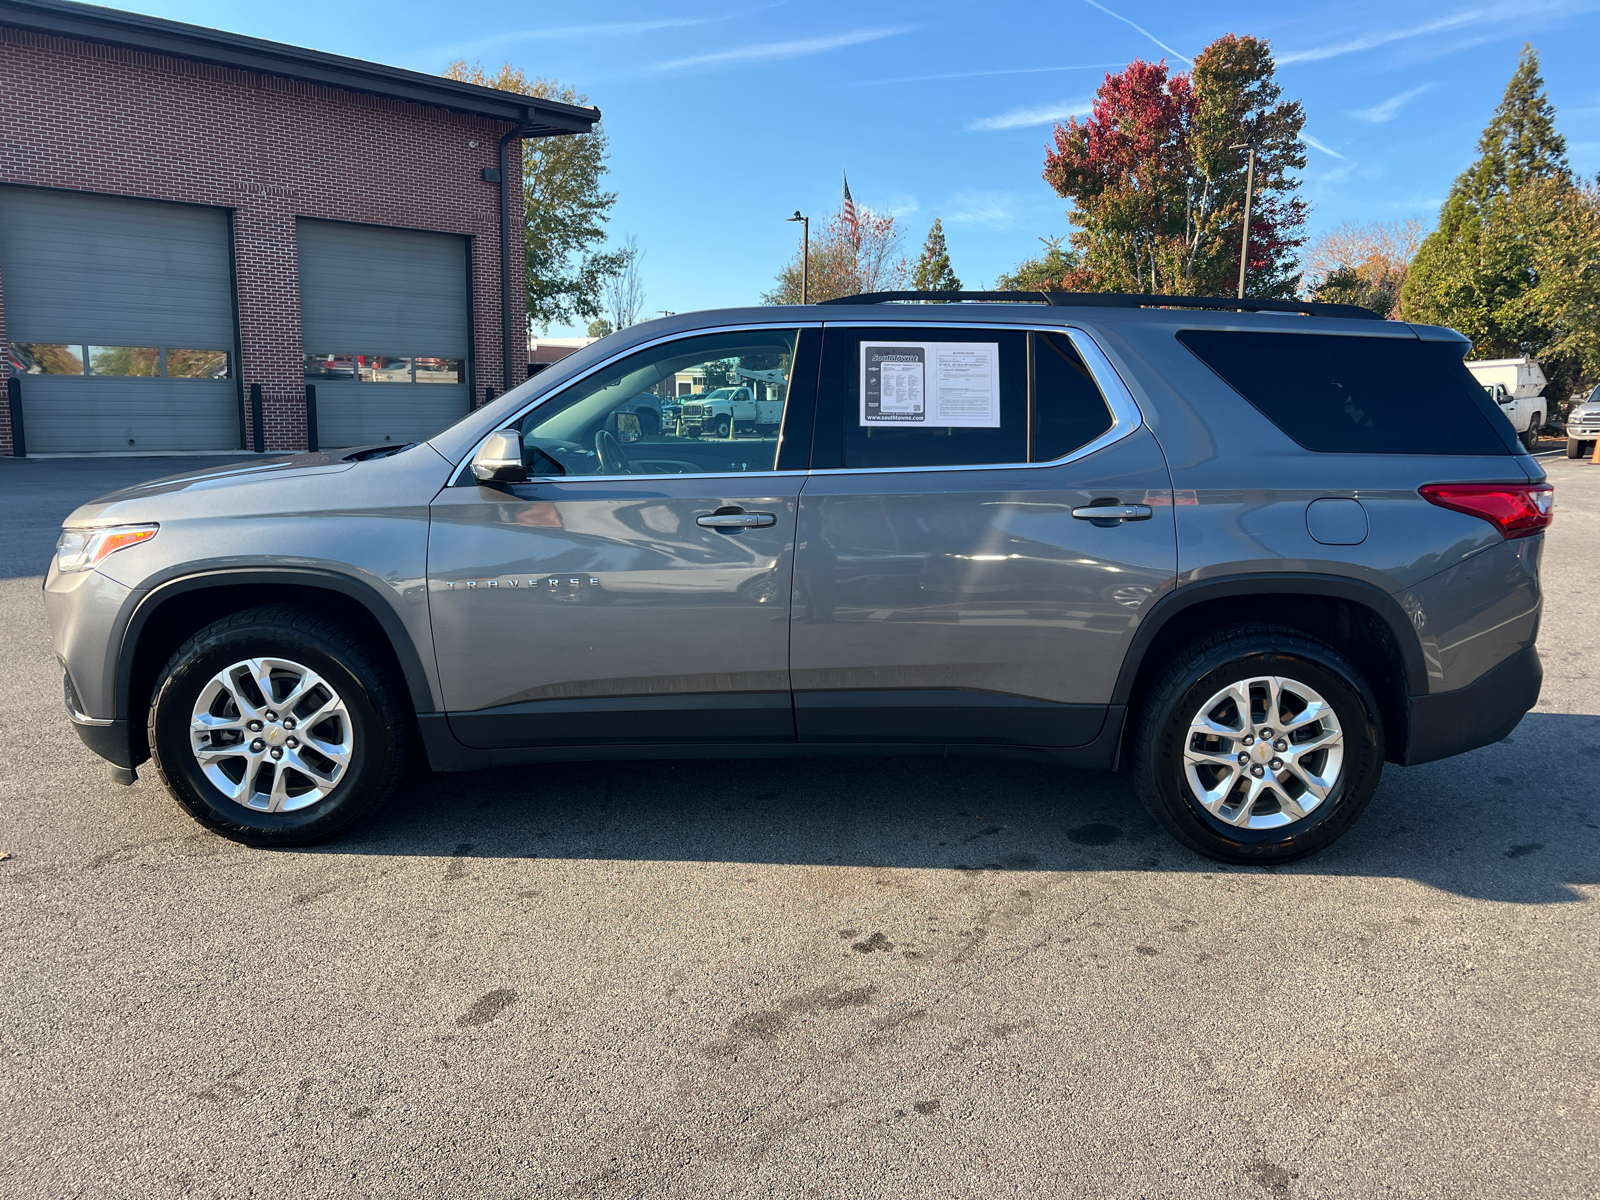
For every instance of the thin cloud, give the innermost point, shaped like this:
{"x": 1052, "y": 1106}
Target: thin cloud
{"x": 1039, "y": 114}
{"x": 1379, "y": 113}
{"x": 608, "y": 29}
{"x": 1141, "y": 29}
{"x": 771, "y": 50}
{"x": 1460, "y": 19}
{"x": 1312, "y": 142}
{"x": 977, "y": 74}
{"x": 993, "y": 210}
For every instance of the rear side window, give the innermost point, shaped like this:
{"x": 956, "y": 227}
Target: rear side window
{"x": 942, "y": 395}
{"x": 1356, "y": 395}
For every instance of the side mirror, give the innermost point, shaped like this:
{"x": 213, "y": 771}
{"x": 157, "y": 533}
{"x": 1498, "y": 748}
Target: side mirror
{"x": 499, "y": 459}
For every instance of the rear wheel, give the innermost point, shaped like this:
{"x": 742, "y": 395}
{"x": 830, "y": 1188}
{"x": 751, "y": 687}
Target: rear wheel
{"x": 1257, "y": 744}
{"x": 1530, "y": 436}
{"x": 649, "y": 422}
{"x": 278, "y": 727}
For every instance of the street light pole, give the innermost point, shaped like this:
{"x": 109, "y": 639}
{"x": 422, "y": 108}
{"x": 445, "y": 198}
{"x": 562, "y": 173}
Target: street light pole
{"x": 805, "y": 255}
{"x": 1249, "y": 195}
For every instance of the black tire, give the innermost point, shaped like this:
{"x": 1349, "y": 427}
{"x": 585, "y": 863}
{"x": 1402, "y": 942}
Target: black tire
{"x": 649, "y": 422}
{"x": 1574, "y": 448}
{"x": 1529, "y": 437}
{"x": 1203, "y": 668}
{"x": 724, "y": 427}
{"x": 369, "y": 686}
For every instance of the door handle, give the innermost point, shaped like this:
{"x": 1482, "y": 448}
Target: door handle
{"x": 739, "y": 520}
{"x": 1113, "y": 514}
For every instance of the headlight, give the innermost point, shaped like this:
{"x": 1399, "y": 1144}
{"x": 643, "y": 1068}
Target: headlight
{"x": 81, "y": 549}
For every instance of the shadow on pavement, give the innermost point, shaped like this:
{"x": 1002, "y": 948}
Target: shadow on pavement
{"x": 1515, "y": 822}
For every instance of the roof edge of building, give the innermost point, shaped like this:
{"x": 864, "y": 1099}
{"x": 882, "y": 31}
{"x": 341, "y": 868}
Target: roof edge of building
{"x": 89, "y": 22}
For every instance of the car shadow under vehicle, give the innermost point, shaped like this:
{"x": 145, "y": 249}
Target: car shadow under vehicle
{"x": 1509, "y": 822}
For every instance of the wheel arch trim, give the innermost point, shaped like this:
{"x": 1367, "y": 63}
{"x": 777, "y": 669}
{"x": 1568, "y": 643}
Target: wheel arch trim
{"x": 418, "y": 685}
{"x": 1297, "y": 583}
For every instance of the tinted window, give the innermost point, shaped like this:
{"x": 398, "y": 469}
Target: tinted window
{"x": 1356, "y": 395}
{"x": 635, "y": 418}
{"x": 926, "y": 396}
{"x": 1068, "y": 409}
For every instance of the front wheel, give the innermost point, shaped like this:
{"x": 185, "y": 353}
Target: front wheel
{"x": 278, "y": 727}
{"x": 1574, "y": 448}
{"x": 1257, "y": 744}
{"x": 724, "y": 426}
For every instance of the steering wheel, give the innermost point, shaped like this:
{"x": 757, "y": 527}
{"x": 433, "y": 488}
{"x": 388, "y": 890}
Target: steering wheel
{"x": 612, "y": 459}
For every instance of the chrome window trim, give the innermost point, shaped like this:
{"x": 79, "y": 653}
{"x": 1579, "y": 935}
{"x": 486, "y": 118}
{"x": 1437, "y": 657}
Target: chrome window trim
{"x": 1125, "y": 415}
{"x": 617, "y": 357}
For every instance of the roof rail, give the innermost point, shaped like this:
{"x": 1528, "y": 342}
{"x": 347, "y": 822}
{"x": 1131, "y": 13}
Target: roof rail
{"x": 1304, "y": 308}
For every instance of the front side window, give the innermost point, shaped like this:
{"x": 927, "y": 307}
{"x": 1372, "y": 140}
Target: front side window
{"x": 939, "y": 395}
{"x": 1342, "y": 394}
{"x": 708, "y": 404}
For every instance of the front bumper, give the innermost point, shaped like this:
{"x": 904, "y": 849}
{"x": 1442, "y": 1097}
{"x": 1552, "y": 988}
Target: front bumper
{"x": 1483, "y": 712}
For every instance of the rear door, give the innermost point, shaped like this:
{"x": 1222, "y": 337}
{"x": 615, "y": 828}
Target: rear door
{"x": 951, "y": 585}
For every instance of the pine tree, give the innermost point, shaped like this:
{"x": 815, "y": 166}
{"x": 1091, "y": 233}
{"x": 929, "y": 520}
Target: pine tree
{"x": 1504, "y": 266}
{"x": 1520, "y": 143}
{"x": 933, "y": 272}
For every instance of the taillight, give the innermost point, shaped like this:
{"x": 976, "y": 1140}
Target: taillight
{"x": 1515, "y": 509}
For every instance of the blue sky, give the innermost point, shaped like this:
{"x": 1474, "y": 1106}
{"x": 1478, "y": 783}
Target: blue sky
{"x": 727, "y": 115}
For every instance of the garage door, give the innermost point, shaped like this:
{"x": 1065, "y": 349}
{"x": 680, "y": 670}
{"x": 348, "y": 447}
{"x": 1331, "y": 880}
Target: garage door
{"x": 384, "y": 320}
{"x": 120, "y": 318}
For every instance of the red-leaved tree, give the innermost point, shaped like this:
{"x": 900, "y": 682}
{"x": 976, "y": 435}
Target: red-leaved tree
{"x": 1156, "y": 177}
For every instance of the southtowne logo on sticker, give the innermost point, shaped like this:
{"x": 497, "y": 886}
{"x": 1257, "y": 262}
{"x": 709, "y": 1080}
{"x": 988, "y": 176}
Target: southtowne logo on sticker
{"x": 943, "y": 385}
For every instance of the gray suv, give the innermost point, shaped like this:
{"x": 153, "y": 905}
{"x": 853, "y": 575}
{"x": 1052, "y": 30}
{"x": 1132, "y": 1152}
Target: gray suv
{"x": 1248, "y": 551}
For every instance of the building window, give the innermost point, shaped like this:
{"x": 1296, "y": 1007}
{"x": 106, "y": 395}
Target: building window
{"x": 46, "y": 358}
{"x": 135, "y": 362}
{"x": 198, "y": 364}
{"x": 141, "y": 361}
{"x": 384, "y": 368}
{"x": 441, "y": 370}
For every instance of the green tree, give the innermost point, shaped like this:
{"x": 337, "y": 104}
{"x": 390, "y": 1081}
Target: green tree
{"x": 600, "y": 327}
{"x": 845, "y": 261}
{"x": 933, "y": 272}
{"x": 1511, "y": 264}
{"x": 1157, "y": 177}
{"x": 565, "y": 208}
{"x": 1052, "y": 271}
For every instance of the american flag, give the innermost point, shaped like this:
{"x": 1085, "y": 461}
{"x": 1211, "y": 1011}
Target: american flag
{"x": 849, "y": 213}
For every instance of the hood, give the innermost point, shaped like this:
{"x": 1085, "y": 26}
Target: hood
{"x": 210, "y": 478}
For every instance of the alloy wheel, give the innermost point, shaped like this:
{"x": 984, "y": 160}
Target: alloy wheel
{"x": 271, "y": 734}
{"x": 1263, "y": 752}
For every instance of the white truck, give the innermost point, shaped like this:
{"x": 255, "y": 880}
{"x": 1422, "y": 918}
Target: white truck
{"x": 1517, "y": 386}
{"x": 726, "y": 411}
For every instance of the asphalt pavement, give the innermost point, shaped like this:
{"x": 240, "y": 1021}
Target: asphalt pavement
{"x": 885, "y": 978}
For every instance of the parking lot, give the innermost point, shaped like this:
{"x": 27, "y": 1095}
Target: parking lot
{"x": 832, "y": 978}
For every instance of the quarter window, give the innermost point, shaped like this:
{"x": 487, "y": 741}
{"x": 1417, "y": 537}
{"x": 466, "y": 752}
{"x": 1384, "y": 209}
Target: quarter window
{"x": 1357, "y": 395}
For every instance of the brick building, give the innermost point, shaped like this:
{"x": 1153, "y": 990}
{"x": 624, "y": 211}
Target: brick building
{"x": 190, "y": 220}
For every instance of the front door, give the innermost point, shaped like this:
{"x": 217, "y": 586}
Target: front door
{"x": 950, "y": 584}
{"x": 636, "y": 590}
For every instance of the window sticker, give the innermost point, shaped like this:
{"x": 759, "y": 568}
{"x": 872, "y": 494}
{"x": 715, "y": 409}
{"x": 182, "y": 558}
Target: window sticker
{"x": 937, "y": 385}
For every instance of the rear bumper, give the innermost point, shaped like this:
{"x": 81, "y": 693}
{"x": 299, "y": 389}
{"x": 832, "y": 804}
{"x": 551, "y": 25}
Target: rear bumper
{"x": 108, "y": 739}
{"x": 1483, "y": 712}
